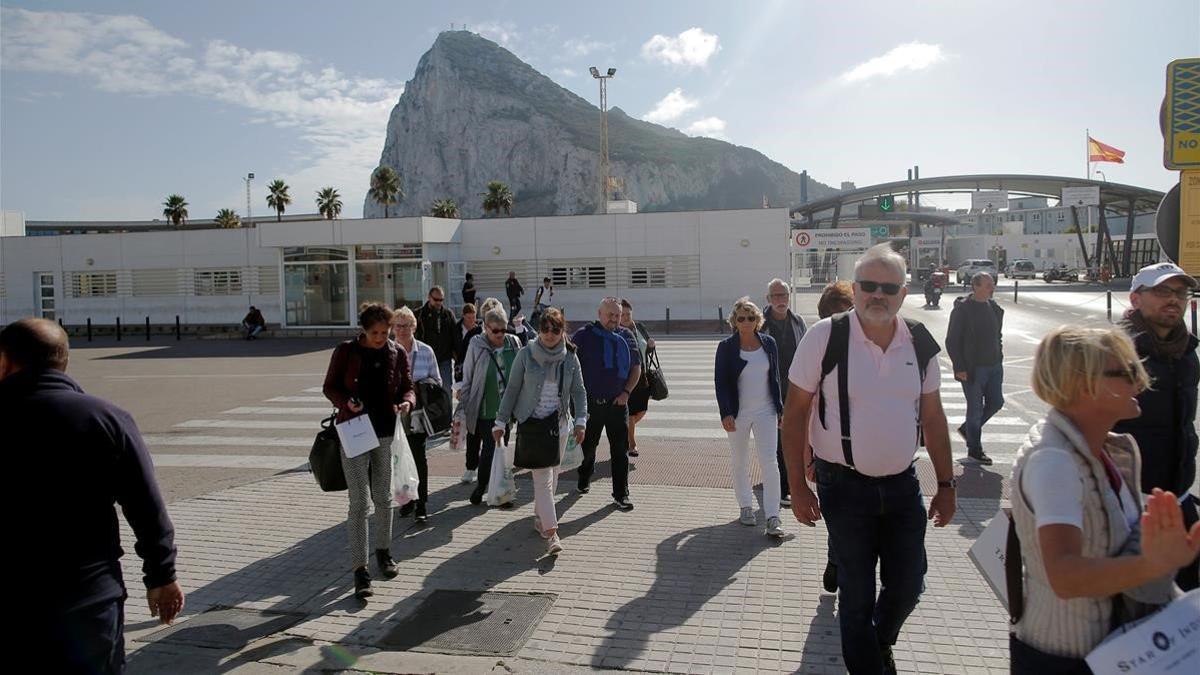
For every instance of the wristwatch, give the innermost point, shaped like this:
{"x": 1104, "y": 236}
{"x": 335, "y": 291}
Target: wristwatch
{"x": 952, "y": 484}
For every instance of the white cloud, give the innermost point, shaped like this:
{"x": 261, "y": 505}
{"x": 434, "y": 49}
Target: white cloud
{"x": 583, "y": 46}
{"x": 713, "y": 127}
{"x": 339, "y": 116}
{"x": 693, "y": 47}
{"x": 566, "y": 72}
{"x": 908, "y": 56}
{"x": 504, "y": 33}
{"x": 670, "y": 108}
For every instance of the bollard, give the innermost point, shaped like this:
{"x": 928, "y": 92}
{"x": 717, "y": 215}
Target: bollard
{"x": 89, "y": 329}
{"x": 147, "y": 329}
{"x": 1108, "y": 299}
{"x": 176, "y": 327}
{"x": 720, "y": 319}
{"x": 118, "y": 329}
{"x": 669, "y": 320}
{"x": 1016, "y": 285}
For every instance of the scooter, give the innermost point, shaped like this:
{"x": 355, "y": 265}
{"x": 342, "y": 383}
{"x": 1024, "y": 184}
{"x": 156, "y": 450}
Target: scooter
{"x": 933, "y": 289}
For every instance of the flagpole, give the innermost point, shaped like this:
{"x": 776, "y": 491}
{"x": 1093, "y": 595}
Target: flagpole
{"x": 1087, "y": 152}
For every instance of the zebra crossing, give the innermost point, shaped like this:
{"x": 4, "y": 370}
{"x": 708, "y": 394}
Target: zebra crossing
{"x": 277, "y": 433}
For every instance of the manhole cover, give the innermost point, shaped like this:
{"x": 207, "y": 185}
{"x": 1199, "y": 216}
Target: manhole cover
{"x": 470, "y": 622}
{"x": 224, "y": 628}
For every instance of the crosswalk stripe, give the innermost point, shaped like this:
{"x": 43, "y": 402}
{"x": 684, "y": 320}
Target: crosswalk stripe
{"x": 227, "y": 441}
{"x": 994, "y": 422}
{"x": 314, "y": 390}
{"x": 245, "y": 424}
{"x": 229, "y": 461}
{"x": 298, "y": 399}
{"x": 263, "y": 410}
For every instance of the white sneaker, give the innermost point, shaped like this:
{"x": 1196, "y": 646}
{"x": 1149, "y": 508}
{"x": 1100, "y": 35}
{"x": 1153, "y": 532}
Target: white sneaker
{"x": 747, "y": 517}
{"x": 554, "y": 546}
{"x": 468, "y": 476}
{"x": 773, "y": 527}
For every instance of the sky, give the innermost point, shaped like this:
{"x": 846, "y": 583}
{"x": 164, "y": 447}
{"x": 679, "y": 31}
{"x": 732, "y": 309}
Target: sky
{"x": 108, "y": 107}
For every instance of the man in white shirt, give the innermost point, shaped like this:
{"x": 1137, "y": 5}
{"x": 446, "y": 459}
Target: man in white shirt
{"x": 867, "y": 487}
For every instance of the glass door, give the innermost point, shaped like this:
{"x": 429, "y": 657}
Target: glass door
{"x": 47, "y": 306}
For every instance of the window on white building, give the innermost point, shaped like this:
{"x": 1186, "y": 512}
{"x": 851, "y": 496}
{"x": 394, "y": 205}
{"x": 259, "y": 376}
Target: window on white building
{"x": 219, "y": 282}
{"x": 93, "y": 284}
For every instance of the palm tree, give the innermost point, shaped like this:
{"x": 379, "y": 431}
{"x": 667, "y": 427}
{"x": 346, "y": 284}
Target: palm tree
{"x": 175, "y": 209}
{"x": 329, "y": 203}
{"x": 227, "y": 218}
{"x": 386, "y": 188}
{"x": 497, "y": 198}
{"x": 444, "y": 208}
{"x": 278, "y": 198}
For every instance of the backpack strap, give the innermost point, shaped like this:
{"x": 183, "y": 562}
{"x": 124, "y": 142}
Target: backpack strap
{"x": 926, "y": 348}
{"x": 836, "y": 354}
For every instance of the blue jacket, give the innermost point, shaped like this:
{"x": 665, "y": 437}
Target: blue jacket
{"x": 729, "y": 368}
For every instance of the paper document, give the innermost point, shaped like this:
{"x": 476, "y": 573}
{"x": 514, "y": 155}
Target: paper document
{"x": 357, "y": 436}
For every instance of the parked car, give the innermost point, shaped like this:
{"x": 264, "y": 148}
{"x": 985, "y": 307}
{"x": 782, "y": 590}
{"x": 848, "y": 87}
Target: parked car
{"x": 1060, "y": 273}
{"x": 1021, "y": 269}
{"x": 973, "y": 265}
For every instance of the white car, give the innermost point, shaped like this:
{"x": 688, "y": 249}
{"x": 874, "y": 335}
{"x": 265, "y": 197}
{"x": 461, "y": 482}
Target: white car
{"x": 973, "y": 265}
{"x": 1022, "y": 269}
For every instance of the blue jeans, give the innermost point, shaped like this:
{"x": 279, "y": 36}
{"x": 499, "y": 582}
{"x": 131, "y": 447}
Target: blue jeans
{"x": 446, "y": 371}
{"x": 873, "y": 521}
{"x": 89, "y": 641}
{"x": 985, "y": 397}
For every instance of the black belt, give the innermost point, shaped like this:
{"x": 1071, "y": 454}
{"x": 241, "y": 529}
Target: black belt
{"x": 844, "y": 470}
{"x": 601, "y": 401}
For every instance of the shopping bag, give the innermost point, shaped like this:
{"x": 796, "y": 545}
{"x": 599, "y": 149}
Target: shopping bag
{"x": 502, "y": 489}
{"x": 1164, "y": 642}
{"x": 988, "y": 553}
{"x": 572, "y": 453}
{"x": 357, "y": 436}
{"x": 405, "y": 479}
{"x": 325, "y": 458}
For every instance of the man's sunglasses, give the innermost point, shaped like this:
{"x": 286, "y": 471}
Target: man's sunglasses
{"x": 872, "y": 286}
{"x": 552, "y": 329}
{"x": 496, "y": 331}
{"x": 433, "y": 299}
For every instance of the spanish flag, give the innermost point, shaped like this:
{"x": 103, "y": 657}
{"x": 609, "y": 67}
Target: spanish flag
{"x": 1099, "y": 152}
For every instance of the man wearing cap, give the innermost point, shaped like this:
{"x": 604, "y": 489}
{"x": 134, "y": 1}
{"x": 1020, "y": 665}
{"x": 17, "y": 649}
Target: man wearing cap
{"x": 1166, "y": 429}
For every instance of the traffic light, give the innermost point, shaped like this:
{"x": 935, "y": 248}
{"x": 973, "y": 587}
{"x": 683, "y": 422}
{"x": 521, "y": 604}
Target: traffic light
{"x": 887, "y": 203}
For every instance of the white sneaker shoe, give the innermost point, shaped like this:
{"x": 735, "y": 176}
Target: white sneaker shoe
{"x": 468, "y": 476}
{"x": 773, "y": 527}
{"x": 554, "y": 546}
{"x": 747, "y": 517}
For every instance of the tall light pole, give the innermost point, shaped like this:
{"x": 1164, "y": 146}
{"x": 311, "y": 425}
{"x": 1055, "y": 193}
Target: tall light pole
{"x": 603, "y": 133}
{"x": 1105, "y": 178}
{"x": 249, "y": 177}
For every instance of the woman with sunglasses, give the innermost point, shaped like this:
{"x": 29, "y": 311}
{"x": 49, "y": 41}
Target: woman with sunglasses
{"x": 489, "y": 360}
{"x": 546, "y": 384}
{"x": 1092, "y": 559}
{"x": 422, "y": 365}
{"x": 747, "y": 382}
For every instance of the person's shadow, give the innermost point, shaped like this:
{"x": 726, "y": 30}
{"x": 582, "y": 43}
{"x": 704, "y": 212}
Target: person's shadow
{"x": 823, "y": 640}
{"x": 984, "y": 489}
{"x": 695, "y": 565}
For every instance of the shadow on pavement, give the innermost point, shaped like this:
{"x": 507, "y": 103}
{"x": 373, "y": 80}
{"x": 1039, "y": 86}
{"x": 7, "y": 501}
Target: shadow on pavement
{"x": 164, "y": 348}
{"x": 695, "y": 564}
{"x": 822, "y": 648}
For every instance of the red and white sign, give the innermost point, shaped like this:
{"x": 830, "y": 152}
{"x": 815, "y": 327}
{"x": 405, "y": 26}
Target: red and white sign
{"x": 855, "y": 238}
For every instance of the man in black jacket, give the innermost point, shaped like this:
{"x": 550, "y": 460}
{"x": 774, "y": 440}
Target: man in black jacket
{"x": 1166, "y": 429}
{"x": 512, "y": 288}
{"x": 976, "y": 351}
{"x": 90, "y": 457}
{"x": 437, "y": 328}
{"x": 468, "y": 290}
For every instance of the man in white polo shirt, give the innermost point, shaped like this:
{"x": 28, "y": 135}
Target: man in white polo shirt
{"x": 867, "y": 487}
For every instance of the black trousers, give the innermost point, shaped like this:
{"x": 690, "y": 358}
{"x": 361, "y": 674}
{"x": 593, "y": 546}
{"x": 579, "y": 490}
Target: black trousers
{"x": 416, "y": 443}
{"x": 614, "y": 421}
{"x": 89, "y": 641}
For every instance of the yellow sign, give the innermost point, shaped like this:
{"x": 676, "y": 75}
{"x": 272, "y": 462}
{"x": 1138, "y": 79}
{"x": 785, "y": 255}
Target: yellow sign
{"x": 1181, "y": 135}
{"x": 1189, "y": 221}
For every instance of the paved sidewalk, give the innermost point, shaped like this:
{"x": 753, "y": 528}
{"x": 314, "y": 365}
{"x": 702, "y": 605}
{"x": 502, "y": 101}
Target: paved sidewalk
{"x": 677, "y": 585}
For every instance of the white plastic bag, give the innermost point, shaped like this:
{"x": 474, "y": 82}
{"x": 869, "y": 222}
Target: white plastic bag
{"x": 405, "y": 479}
{"x": 502, "y": 489}
{"x": 571, "y": 452}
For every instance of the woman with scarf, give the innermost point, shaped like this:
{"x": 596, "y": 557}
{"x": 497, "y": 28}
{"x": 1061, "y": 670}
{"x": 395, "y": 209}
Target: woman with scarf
{"x": 546, "y": 383}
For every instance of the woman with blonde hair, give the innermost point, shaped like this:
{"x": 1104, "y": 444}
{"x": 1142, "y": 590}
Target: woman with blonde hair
{"x": 747, "y": 383}
{"x": 422, "y": 365}
{"x": 1092, "y": 559}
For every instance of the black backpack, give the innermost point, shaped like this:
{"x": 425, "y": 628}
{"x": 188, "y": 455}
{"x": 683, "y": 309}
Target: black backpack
{"x": 837, "y": 354}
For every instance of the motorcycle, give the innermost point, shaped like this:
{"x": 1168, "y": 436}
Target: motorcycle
{"x": 1060, "y": 274}
{"x": 934, "y": 286}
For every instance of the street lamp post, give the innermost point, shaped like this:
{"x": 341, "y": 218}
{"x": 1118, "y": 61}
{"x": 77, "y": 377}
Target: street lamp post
{"x": 249, "y": 177}
{"x": 1105, "y": 178}
{"x": 603, "y": 133}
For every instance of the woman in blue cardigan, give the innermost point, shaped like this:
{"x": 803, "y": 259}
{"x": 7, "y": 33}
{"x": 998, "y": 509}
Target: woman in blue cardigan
{"x": 748, "y": 398}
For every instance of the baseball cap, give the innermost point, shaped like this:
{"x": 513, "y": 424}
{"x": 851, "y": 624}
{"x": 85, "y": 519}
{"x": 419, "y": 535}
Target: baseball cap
{"x": 1153, "y": 275}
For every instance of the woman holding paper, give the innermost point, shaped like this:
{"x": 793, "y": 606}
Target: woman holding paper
{"x": 422, "y": 365}
{"x": 546, "y": 382}
{"x": 1092, "y": 559}
{"x": 369, "y": 375}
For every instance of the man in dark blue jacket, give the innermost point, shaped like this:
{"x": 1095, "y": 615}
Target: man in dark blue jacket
{"x": 974, "y": 342}
{"x": 92, "y": 456}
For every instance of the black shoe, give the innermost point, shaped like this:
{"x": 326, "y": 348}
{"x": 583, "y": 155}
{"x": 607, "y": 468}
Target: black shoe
{"x": 407, "y": 509}
{"x": 889, "y": 661}
{"x": 583, "y": 488}
{"x": 387, "y": 566}
{"x": 829, "y": 578}
{"x": 962, "y": 431}
{"x": 623, "y": 504}
{"x": 362, "y": 584}
{"x": 421, "y": 515}
{"x": 979, "y": 456}
{"x": 477, "y": 496}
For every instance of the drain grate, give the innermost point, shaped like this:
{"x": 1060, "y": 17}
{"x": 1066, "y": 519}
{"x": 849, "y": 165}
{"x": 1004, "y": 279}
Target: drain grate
{"x": 225, "y": 628}
{"x": 470, "y": 622}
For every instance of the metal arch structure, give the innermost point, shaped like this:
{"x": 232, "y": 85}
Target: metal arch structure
{"x": 1117, "y": 198}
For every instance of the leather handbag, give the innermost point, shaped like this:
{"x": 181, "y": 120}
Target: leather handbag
{"x": 435, "y": 401}
{"x": 537, "y": 443}
{"x": 325, "y": 458}
{"x": 654, "y": 376}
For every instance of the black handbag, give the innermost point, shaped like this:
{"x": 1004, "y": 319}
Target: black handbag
{"x": 537, "y": 443}
{"x": 325, "y": 459}
{"x": 654, "y": 376}
{"x": 435, "y": 401}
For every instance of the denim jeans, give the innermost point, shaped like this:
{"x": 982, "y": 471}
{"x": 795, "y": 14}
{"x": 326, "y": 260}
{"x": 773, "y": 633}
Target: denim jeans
{"x": 873, "y": 521}
{"x": 613, "y": 419}
{"x": 985, "y": 397}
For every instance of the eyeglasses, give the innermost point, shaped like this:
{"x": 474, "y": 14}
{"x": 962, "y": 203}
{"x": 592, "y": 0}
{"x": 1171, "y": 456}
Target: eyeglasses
{"x": 872, "y": 286}
{"x": 747, "y": 317}
{"x": 1128, "y": 373}
{"x": 1165, "y": 292}
{"x": 496, "y": 331}
{"x": 777, "y": 295}
{"x": 552, "y": 329}
{"x": 433, "y": 299}
{"x": 405, "y": 326}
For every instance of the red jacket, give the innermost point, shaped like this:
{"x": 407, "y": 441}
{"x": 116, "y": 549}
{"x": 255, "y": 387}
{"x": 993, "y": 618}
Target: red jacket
{"x": 341, "y": 380}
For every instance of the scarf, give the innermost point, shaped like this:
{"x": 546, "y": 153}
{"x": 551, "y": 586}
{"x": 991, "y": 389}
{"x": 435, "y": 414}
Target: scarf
{"x": 1172, "y": 346}
{"x": 548, "y": 359}
{"x": 616, "y": 350}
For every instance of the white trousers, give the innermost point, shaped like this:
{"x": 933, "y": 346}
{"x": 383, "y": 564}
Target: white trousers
{"x": 765, "y": 428}
{"x": 545, "y": 482}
